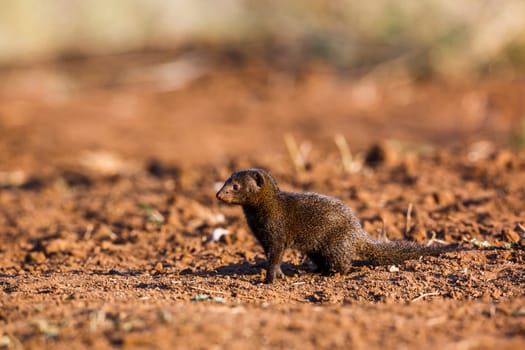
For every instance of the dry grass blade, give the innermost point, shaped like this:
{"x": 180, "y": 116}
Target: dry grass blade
{"x": 383, "y": 234}
{"x": 152, "y": 214}
{"x": 424, "y": 296}
{"x": 344, "y": 151}
{"x": 348, "y": 162}
{"x": 408, "y": 217}
{"x": 298, "y": 154}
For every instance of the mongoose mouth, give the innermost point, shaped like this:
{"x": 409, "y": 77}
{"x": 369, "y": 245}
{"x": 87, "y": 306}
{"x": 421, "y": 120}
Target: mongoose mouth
{"x": 227, "y": 196}
{"x": 224, "y": 196}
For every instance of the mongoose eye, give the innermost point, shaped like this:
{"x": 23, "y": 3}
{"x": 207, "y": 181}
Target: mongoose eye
{"x": 236, "y": 187}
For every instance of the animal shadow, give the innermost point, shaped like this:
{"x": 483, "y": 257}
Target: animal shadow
{"x": 233, "y": 269}
{"x": 248, "y": 268}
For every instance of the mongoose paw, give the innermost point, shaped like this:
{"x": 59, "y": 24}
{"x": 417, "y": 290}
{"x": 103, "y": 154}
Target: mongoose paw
{"x": 273, "y": 275}
{"x": 269, "y": 280}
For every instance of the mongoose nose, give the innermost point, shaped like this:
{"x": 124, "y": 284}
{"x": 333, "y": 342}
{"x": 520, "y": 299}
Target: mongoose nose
{"x": 219, "y": 195}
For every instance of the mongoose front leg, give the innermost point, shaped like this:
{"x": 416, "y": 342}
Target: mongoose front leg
{"x": 275, "y": 256}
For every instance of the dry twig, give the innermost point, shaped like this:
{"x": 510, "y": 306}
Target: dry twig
{"x": 424, "y": 295}
{"x": 437, "y": 240}
{"x": 208, "y": 290}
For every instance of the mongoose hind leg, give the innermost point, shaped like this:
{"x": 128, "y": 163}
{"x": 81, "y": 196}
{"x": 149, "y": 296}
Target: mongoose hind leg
{"x": 320, "y": 262}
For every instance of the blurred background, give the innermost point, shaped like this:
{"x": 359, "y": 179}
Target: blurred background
{"x": 207, "y": 81}
{"x": 444, "y": 36}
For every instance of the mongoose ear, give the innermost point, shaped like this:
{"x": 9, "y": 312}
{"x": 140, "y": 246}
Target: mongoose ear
{"x": 259, "y": 178}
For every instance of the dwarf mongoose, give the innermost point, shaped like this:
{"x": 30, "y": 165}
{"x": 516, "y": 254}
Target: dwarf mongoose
{"x": 324, "y": 228}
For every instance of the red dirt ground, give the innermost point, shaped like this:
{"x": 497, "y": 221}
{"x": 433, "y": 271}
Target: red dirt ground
{"x": 108, "y": 170}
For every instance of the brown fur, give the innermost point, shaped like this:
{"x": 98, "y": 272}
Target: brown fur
{"x": 322, "y": 227}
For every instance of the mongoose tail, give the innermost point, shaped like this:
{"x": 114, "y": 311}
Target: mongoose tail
{"x": 392, "y": 252}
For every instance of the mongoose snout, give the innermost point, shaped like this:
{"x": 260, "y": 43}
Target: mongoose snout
{"x": 227, "y": 192}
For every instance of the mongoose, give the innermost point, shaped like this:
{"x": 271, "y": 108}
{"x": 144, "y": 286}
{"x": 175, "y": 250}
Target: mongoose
{"x": 324, "y": 228}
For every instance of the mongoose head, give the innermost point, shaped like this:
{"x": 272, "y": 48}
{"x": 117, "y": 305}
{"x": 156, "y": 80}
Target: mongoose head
{"x": 246, "y": 187}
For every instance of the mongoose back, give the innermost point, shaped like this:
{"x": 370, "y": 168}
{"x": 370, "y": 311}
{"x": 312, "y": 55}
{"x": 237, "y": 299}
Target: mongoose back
{"x": 324, "y": 228}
